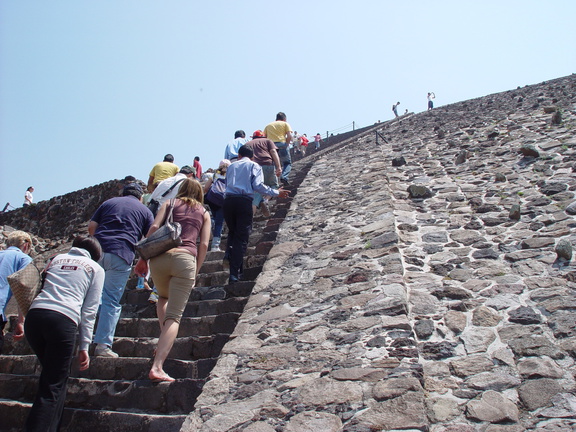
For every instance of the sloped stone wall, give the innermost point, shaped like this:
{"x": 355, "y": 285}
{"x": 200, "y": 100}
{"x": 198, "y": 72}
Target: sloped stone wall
{"x": 379, "y": 310}
{"x": 62, "y": 217}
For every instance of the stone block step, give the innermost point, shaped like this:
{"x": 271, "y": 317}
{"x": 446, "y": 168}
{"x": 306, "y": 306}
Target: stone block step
{"x": 240, "y": 289}
{"x": 14, "y": 414}
{"x": 136, "y": 297}
{"x": 215, "y": 301}
{"x": 189, "y": 326}
{"x": 147, "y": 310}
{"x": 185, "y": 348}
{"x": 200, "y": 308}
{"x": 212, "y": 266}
{"x": 19, "y": 364}
{"x": 123, "y": 368}
{"x": 249, "y": 261}
{"x": 221, "y": 278}
{"x": 176, "y": 397}
{"x": 211, "y": 279}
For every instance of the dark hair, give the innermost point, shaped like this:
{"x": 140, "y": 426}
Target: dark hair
{"x": 31, "y": 187}
{"x": 281, "y": 116}
{"x": 197, "y": 158}
{"x": 133, "y": 189}
{"x": 168, "y": 158}
{"x": 89, "y": 243}
{"x": 239, "y": 134}
{"x": 245, "y": 151}
{"x": 186, "y": 169}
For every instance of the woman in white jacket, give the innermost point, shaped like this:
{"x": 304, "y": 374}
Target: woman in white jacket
{"x": 66, "y": 306}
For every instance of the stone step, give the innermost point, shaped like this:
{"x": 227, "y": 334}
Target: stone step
{"x": 199, "y": 308}
{"x": 195, "y": 326}
{"x": 194, "y": 308}
{"x": 239, "y": 289}
{"x": 122, "y": 368}
{"x": 211, "y": 279}
{"x": 185, "y": 348}
{"x": 176, "y": 397}
{"x": 14, "y": 414}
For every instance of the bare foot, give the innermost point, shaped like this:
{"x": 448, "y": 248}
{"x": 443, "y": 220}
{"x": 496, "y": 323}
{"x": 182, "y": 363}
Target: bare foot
{"x": 160, "y": 377}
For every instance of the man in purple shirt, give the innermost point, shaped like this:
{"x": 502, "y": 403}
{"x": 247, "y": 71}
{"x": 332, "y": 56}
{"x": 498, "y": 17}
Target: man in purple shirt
{"x": 243, "y": 178}
{"x": 118, "y": 224}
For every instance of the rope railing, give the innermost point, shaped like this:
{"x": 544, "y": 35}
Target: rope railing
{"x": 350, "y": 126}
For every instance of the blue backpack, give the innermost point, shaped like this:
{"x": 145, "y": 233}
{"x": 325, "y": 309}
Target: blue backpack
{"x": 216, "y": 193}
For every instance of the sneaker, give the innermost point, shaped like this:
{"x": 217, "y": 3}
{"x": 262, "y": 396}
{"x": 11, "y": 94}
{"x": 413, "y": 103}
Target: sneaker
{"x": 265, "y": 209}
{"x": 153, "y": 298}
{"x": 215, "y": 244}
{"x": 233, "y": 279}
{"x": 102, "y": 350}
{"x": 284, "y": 181}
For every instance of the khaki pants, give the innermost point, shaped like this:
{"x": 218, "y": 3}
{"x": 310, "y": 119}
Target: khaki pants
{"x": 174, "y": 274}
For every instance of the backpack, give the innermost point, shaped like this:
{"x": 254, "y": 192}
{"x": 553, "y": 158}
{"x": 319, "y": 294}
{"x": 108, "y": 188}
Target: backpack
{"x": 216, "y": 193}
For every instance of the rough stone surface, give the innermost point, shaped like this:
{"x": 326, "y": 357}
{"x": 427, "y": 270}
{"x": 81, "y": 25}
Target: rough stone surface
{"x": 445, "y": 307}
{"x": 492, "y": 407}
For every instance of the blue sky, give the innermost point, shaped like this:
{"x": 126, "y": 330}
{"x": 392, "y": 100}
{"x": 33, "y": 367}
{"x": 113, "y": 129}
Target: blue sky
{"x": 96, "y": 90}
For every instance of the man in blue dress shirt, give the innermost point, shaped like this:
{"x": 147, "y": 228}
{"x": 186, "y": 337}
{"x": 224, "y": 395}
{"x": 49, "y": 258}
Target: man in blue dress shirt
{"x": 243, "y": 178}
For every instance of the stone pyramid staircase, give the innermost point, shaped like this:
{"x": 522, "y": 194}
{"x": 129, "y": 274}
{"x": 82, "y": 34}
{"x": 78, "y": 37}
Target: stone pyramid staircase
{"x": 115, "y": 394}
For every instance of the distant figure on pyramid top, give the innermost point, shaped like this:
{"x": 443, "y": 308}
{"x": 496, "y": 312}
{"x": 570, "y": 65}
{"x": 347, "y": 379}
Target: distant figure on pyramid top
{"x": 395, "y": 108}
{"x": 28, "y": 197}
{"x": 431, "y": 96}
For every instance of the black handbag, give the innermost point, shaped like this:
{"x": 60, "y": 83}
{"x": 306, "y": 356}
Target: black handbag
{"x": 163, "y": 239}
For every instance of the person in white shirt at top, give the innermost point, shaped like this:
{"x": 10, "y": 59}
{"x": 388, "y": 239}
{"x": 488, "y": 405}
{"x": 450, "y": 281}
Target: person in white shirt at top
{"x": 28, "y": 196}
{"x": 430, "y": 96}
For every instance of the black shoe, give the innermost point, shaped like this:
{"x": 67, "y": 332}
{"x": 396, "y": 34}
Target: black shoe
{"x": 284, "y": 181}
{"x": 232, "y": 279}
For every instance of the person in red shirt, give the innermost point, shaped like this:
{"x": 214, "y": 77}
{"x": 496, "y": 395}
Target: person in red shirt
{"x": 198, "y": 168}
{"x": 304, "y": 144}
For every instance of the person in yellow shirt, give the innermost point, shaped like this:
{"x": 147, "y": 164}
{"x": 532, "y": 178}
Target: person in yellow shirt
{"x": 162, "y": 171}
{"x": 279, "y": 132}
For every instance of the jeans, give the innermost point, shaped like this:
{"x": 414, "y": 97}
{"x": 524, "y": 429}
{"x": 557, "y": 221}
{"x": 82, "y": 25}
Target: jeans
{"x": 270, "y": 179}
{"x": 117, "y": 274}
{"x": 52, "y": 336}
{"x": 285, "y": 159}
{"x": 238, "y": 215}
{"x": 218, "y": 216}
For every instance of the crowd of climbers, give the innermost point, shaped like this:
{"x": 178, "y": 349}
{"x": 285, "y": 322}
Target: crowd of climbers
{"x": 84, "y": 286}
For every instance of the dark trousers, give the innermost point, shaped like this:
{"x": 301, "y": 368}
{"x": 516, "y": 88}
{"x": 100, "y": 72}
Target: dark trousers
{"x": 52, "y": 336}
{"x": 2, "y": 325}
{"x": 238, "y": 216}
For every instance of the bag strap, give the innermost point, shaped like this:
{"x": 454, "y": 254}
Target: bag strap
{"x": 172, "y": 187}
{"x": 44, "y": 272}
{"x": 169, "y": 217}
